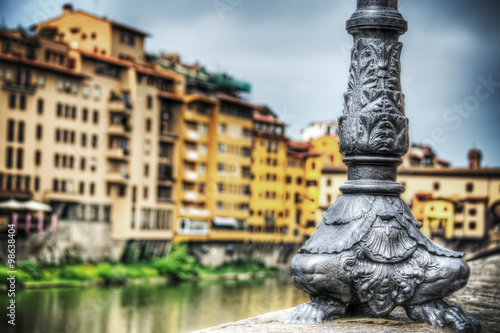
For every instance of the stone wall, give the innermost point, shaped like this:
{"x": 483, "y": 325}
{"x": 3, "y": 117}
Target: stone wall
{"x": 85, "y": 240}
{"x": 216, "y": 253}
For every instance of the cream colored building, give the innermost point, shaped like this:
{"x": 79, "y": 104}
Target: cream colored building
{"x": 476, "y": 193}
{"x": 87, "y": 132}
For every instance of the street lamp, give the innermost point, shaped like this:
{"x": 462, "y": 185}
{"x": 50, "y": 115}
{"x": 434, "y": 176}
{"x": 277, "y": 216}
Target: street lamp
{"x": 368, "y": 255}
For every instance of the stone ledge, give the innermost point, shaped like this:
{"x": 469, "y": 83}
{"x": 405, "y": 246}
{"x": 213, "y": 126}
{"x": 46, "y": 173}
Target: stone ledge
{"x": 480, "y": 299}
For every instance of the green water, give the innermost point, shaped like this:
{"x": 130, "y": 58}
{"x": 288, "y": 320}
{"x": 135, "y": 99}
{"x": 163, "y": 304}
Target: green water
{"x": 147, "y": 308}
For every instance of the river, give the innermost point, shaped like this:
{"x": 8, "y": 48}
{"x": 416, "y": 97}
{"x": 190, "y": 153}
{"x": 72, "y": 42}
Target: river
{"x": 147, "y": 308}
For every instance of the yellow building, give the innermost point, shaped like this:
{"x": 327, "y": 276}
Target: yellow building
{"x": 438, "y": 218}
{"x": 268, "y": 215}
{"x": 474, "y": 192}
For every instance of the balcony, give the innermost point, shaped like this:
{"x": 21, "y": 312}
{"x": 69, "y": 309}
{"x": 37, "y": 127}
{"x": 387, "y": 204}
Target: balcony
{"x": 118, "y": 130}
{"x": 22, "y": 88}
{"x": 194, "y": 212}
{"x": 119, "y": 106}
{"x": 192, "y": 135}
{"x": 117, "y": 154}
{"x": 192, "y": 155}
{"x": 191, "y": 195}
{"x": 191, "y": 175}
{"x": 117, "y": 177}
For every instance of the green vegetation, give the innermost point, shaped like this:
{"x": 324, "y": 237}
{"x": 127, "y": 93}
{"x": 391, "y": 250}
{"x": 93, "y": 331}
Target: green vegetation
{"x": 178, "y": 266}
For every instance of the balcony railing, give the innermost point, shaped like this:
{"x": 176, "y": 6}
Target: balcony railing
{"x": 191, "y": 175}
{"x": 192, "y": 155}
{"x": 195, "y": 212}
{"x": 23, "y": 88}
{"x": 192, "y": 135}
{"x": 191, "y": 195}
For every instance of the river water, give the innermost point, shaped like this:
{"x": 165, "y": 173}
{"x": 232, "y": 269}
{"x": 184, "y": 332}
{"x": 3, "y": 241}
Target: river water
{"x": 147, "y": 308}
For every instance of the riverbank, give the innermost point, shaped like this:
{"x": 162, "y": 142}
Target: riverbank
{"x": 179, "y": 266}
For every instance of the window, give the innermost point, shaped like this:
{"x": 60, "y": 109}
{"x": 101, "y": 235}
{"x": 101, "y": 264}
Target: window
{"x": 19, "y": 164}
{"x": 472, "y": 225}
{"x": 93, "y": 164}
{"x": 39, "y": 131}
{"x": 92, "y": 188}
{"x": 9, "y": 157}
{"x": 65, "y": 136}
{"x": 74, "y": 88}
{"x": 22, "y": 102}
{"x": 220, "y": 188}
{"x": 73, "y": 112}
{"x": 436, "y": 186}
{"x": 222, "y": 128}
{"x": 55, "y": 185}
{"x": 469, "y": 187}
{"x": 71, "y": 162}
{"x": 59, "y": 110}
{"x": 95, "y": 117}
{"x": 41, "y": 80}
{"x": 311, "y": 183}
{"x": 38, "y": 158}
{"x": 84, "y": 140}
{"x": 288, "y": 180}
{"x": 58, "y": 135}
{"x": 11, "y": 124}
{"x": 222, "y": 148}
{"x": 220, "y": 167}
{"x": 94, "y": 141}
{"x": 149, "y": 102}
{"x": 72, "y": 137}
{"x": 147, "y": 147}
{"x": 145, "y": 194}
{"x": 85, "y": 115}
{"x": 204, "y": 129}
{"x": 60, "y": 85}
{"x": 472, "y": 212}
{"x": 20, "y": 132}
{"x": 97, "y": 92}
{"x": 146, "y": 170}
{"x": 82, "y": 163}
{"x": 86, "y": 90}
{"x": 12, "y": 100}
{"x": 202, "y": 169}
{"x": 299, "y": 181}
{"x": 40, "y": 106}
{"x": 329, "y": 182}
{"x": 81, "y": 189}
{"x": 37, "y": 184}
{"x": 66, "y": 111}
{"x": 148, "y": 125}
{"x": 202, "y": 149}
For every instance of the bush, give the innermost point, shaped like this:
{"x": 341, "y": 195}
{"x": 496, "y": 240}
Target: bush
{"x": 131, "y": 254}
{"x": 31, "y": 268}
{"x": 179, "y": 265}
{"x": 112, "y": 275}
{"x": 80, "y": 272}
{"x": 21, "y": 276}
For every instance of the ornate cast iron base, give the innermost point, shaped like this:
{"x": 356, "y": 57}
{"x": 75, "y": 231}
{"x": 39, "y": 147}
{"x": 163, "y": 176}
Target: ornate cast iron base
{"x": 369, "y": 256}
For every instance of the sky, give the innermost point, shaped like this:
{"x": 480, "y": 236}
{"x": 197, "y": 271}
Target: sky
{"x": 295, "y": 53}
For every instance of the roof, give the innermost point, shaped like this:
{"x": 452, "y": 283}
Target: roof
{"x": 152, "y": 72}
{"x": 103, "y": 58}
{"x": 235, "y": 100}
{"x": 266, "y": 119}
{"x": 298, "y": 144}
{"x": 169, "y": 95}
{"x": 114, "y": 23}
{"x": 40, "y": 64}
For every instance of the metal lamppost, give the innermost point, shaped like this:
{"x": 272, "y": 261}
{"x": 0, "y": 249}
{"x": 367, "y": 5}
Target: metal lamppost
{"x": 368, "y": 255}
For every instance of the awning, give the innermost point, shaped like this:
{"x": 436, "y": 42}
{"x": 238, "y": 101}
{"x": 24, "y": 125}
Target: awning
{"x": 227, "y": 222}
{"x": 37, "y": 206}
{"x": 28, "y": 205}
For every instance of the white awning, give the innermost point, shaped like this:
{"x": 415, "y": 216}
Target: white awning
{"x": 228, "y": 222}
{"x": 37, "y": 206}
{"x": 29, "y": 205}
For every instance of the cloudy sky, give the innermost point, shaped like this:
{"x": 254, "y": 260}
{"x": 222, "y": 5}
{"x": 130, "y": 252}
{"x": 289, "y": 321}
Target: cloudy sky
{"x": 295, "y": 55}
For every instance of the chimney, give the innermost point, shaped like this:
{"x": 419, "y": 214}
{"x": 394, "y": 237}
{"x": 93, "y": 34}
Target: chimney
{"x": 475, "y": 157}
{"x": 67, "y": 9}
